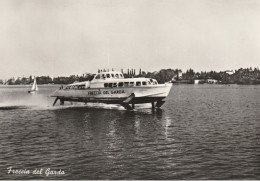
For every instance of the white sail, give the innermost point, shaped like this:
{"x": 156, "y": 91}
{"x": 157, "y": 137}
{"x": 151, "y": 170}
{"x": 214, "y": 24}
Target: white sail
{"x": 34, "y": 87}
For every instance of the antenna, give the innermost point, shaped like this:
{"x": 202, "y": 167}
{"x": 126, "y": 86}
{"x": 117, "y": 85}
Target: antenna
{"x": 108, "y": 53}
{"x": 108, "y": 58}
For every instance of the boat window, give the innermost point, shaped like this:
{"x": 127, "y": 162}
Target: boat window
{"x": 126, "y": 84}
{"x": 148, "y": 82}
{"x": 120, "y": 84}
{"x": 110, "y": 84}
{"x": 116, "y": 76}
{"x": 112, "y": 75}
{"x": 91, "y": 78}
{"x": 103, "y": 76}
{"x": 144, "y": 83}
{"x": 108, "y": 75}
{"x": 132, "y": 84}
{"x": 98, "y": 76}
{"x": 153, "y": 81}
{"x": 105, "y": 84}
{"x": 138, "y": 83}
{"x": 81, "y": 87}
{"x": 114, "y": 84}
{"x": 121, "y": 75}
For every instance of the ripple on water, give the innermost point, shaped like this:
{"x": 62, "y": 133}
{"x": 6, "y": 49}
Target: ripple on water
{"x": 202, "y": 132}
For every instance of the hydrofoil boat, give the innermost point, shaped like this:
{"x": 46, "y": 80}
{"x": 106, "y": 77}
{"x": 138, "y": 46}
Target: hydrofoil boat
{"x": 112, "y": 88}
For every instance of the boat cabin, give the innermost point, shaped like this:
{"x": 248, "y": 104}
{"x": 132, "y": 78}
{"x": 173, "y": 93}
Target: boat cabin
{"x": 112, "y": 80}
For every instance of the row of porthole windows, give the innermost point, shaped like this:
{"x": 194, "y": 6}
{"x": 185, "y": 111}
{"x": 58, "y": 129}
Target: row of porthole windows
{"x": 127, "y": 84}
{"x": 103, "y": 76}
{"x": 75, "y": 87}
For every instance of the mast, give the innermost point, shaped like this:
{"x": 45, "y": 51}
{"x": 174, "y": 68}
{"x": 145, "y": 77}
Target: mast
{"x": 108, "y": 58}
{"x": 108, "y": 53}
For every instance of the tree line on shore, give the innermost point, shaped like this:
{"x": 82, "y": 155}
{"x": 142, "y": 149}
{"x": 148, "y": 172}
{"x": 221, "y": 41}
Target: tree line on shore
{"x": 240, "y": 76}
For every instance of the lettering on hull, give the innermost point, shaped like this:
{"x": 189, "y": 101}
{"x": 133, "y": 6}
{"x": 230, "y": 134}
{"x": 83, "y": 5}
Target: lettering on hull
{"x": 117, "y": 92}
{"x": 106, "y": 92}
{"x": 94, "y": 92}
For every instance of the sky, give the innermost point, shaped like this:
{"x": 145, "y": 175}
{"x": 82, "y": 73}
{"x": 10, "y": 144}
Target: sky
{"x": 72, "y": 37}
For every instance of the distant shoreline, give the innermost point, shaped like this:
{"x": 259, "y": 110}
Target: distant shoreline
{"x": 247, "y": 76}
{"x": 175, "y": 84}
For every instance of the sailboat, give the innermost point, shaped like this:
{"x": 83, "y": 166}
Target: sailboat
{"x": 34, "y": 87}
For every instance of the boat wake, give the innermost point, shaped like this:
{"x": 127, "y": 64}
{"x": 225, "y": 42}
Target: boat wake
{"x": 25, "y": 102}
{"x": 85, "y": 106}
{"x": 43, "y": 102}
{"x": 10, "y": 107}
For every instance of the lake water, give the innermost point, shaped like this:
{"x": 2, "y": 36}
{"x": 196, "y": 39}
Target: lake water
{"x": 201, "y": 132}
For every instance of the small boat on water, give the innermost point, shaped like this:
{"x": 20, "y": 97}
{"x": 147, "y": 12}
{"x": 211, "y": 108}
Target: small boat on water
{"x": 34, "y": 88}
{"x": 112, "y": 88}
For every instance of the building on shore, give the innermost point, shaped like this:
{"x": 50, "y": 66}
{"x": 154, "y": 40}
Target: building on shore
{"x": 205, "y": 81}
{"x": 211, "y": 81}
{"x": 196, "y": 81}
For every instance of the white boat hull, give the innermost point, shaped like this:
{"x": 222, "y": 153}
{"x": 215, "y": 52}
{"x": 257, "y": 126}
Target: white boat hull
{"x": 33, "y": 92}
{"x": 142, "y": 94}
